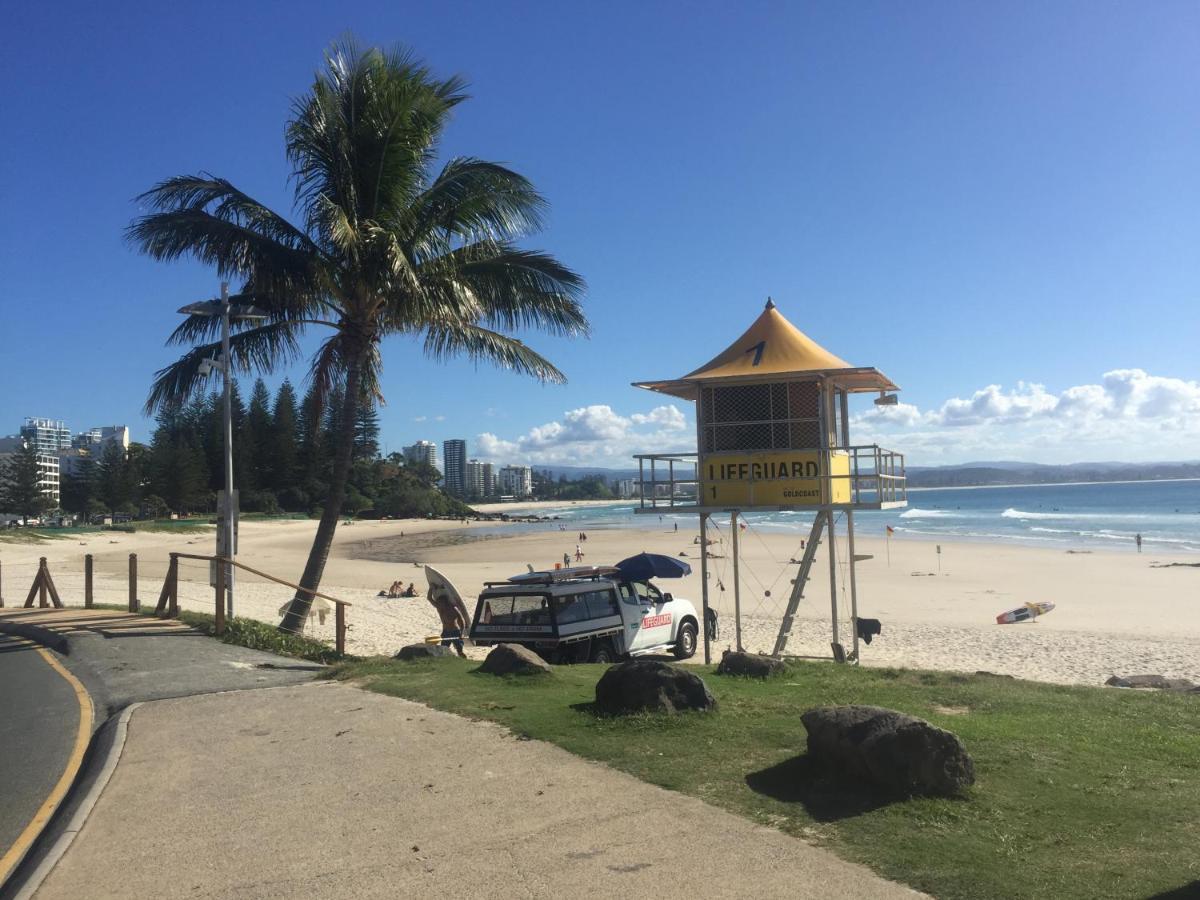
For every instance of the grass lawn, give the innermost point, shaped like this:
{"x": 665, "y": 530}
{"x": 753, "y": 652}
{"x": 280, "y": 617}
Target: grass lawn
{"x": 1080, "y": 792}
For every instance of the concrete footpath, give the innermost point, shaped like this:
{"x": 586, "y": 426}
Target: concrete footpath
{"x": 325, "y": 790}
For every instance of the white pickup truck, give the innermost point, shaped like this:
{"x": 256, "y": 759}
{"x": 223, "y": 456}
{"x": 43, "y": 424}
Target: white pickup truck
{"x": 584, "y": 614}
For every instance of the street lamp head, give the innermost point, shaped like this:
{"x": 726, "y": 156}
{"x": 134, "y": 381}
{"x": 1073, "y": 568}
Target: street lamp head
{"x": 201, "y": 308}
{"x": 238, "y": 312}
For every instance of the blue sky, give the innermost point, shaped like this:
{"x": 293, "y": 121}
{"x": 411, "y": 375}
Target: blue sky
{"x": 996, "y": 204}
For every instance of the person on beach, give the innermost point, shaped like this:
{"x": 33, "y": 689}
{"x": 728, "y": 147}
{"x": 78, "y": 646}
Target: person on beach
{"x": 566, "y": 560}
{"x": 578, "y": 553}
{"x": 1138, "y": 539}
{"x": 676, "y": 526}
{"x": 454, "y": 618}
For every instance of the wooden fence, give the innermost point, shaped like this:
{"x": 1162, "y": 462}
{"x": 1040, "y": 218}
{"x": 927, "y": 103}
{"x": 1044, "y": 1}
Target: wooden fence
{"x": 168, "y": 599}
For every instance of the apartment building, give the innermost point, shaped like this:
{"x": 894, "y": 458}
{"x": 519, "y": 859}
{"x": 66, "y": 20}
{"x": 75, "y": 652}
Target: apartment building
{"x": 516, "y": 481}
{"x": 454, "y": 476}
{"x": 421, "y": 453}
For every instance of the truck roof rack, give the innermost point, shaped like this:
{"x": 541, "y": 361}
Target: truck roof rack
{"x": 556, "y": 576}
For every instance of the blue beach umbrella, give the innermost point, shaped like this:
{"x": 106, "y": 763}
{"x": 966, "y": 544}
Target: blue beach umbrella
{"x": 652, "y": 565}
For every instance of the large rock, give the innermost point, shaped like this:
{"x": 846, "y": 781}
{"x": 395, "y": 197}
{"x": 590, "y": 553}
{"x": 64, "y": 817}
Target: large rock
{"x": 647, "y": 685}
{"x": 752, "y": 665}
{"x": 422, "y": 651}
{"x": 896, "y": 751}
{"x": 1157, "y": 682}
{"x": 513, "y": 659}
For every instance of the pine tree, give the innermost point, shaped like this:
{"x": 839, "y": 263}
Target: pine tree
{"x": 255, "y": 436}
{"x": 284, "y": 455}
{"x": 20, "y": 481}
{"x": 113, "y": 482}
{"x": 78, "y": 490}
{"x": 366, "y": 430}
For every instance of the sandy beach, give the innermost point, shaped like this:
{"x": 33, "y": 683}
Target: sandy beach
{"x": 1117, "y": 612}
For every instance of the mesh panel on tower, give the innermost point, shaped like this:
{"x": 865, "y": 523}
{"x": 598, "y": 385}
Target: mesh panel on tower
{"x": 749, "y": 417}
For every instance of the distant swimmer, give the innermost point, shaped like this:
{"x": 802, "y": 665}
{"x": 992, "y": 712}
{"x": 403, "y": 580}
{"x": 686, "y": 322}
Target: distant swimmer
{"x": 1137, "y": 539}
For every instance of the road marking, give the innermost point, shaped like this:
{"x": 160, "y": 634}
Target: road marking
{"x": 10, "y": 860}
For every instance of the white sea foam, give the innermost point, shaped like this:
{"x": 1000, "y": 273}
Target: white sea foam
{"x": 1011, "y": 513}
{"x": 916, "y": 513}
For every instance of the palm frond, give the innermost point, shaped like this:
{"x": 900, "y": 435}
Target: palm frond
{"x": 209, "y": 220}
{"x": 451, "y": 339}
{"x": 365, "y": 134}
{"x": 474, "y": 199}
{"x": 512, "y": 288}
{"x": 260, "y": 349}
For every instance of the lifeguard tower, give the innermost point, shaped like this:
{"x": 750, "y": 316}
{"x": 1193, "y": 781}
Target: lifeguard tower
{"x": 772, "y": 433}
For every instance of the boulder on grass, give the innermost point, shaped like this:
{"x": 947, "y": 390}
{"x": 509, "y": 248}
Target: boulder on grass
{"x": 422, "y": 651}
{"x": 1157, "y": 682}
{"x": 513, "y": 659}
{"x": 751, "y": 665}
{"x": 647, "y": 685}
{"x": 896, "y": 751}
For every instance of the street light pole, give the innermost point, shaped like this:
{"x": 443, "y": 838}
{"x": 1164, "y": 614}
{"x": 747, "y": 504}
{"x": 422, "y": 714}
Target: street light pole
{"x": 243, "y": 313}
{"x": 229, "y": 503}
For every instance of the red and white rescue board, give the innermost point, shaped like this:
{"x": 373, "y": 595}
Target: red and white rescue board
{"x": 1026, "y": 613}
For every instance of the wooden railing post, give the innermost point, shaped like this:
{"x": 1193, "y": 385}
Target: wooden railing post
{"x": 1, "y": 589}
{"x": 133, "y": 597}
{"x": 173, "y": 599}
{"x": 41, "y": 580}
{"x": 87, "y": 582}
{"x": 339, "y": 643}
{"x": 219, "y": 616}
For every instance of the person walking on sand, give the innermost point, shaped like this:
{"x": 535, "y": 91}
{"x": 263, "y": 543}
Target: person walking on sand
{"x": 578, "y": 553}
{"x": 677, "y": 526}
{"x": 566, "y": 560}
{"x": 1138, "y": 540}
{"x": 454, "y": 616}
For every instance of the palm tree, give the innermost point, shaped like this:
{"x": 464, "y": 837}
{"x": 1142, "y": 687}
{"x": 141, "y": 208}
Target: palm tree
{"x": 388, "y": 245}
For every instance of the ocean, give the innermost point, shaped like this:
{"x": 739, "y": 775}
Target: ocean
{"x": 1096, "y": 515}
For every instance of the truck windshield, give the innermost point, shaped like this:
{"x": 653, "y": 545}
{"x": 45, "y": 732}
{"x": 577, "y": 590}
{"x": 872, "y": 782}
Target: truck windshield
{"x": 518, "y": 609}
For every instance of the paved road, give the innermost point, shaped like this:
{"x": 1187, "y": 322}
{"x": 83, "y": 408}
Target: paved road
{"x": 39, "y": 717}
{"x": 327, "y": 791}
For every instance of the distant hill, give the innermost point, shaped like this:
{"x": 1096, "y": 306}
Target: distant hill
{"x": 971, "y": 474}
{"x": 985, "y": 473}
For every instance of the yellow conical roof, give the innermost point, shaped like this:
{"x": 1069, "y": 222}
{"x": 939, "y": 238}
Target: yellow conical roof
{"x": 773, "y": 346}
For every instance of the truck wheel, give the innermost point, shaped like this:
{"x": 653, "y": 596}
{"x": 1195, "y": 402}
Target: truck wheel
{"x": 603, "y": 653}
{"x": 685, "y": 641}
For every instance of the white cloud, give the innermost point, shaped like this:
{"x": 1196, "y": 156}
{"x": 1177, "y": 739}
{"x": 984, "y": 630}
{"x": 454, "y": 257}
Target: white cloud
{"x": 668, "y": 417}
{"x": 420, "y": 418}
{"x": 1128, "y": 415}
{"x": 591, "y": 435}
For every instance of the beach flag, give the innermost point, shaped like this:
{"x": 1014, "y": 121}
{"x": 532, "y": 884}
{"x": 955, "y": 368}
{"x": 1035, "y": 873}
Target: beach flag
{"x": 888, "y": 543}
{"x": 891, "y": 530}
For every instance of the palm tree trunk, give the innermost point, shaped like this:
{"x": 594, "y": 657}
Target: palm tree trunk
{"x": 343, "y": 458}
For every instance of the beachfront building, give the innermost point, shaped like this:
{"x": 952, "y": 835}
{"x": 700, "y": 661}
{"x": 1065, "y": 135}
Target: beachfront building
{"x": 516, "y": 481}
{"x": 454, "y": 480}
{"x": 94, "y": 440}
{"x": 628, "y": 488}
{"x": 773, "y": 433}
{"x": 421, "y": 453}
{"x": 46, "y": 435}
{"x": 481, "y": 479}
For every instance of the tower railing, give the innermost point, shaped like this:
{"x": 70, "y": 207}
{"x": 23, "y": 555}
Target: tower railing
{"x": 876, "y": 479}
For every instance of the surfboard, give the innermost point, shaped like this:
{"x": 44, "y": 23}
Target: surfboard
{"x": 439, "y": 582}
{"x": 1026, "y": 613}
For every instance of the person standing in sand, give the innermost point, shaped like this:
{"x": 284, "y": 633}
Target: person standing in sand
{"x": 454, "y": 616}
{"x": 1138, "y": 539}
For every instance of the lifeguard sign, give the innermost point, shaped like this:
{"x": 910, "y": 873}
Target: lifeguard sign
{"x": 772, "y": 432}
